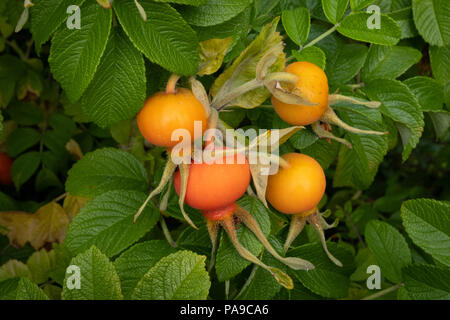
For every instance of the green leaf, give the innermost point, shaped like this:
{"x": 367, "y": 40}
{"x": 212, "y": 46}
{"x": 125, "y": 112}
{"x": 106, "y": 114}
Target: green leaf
{"x": 165, "y": 38}
{"x": 345, "y": 63}
{"x": 236, "y": 27}
{"x": 311, "y": 54}
{"x": 300, "y": 292}
{"x": 432, "y": 22}
{"x": 363, "y": 260}
{"x": 107, "y": 222}
{"x": 334, "y": 9}
{"x": 7, "y": 203}
{"x": 427, "y": 223}
{"x": 427, "y": 282}
{"x": 441, "y": 123}
{"x": 11, "y": 69}
{"x": 440, "y": 65}
{"x": 372, "y": 114}
{"x": 46, "y": 178}
{"x": 357, "y": 5}
{"x": 98, "y": 278}
{"x": 267, "y": 40}
{"x": 104, "y": 170}
{"x": 214, "y": 12}
{"x": 389, "y": 248}
{"x": 118, "y": 89}
{"x": 404, "y": 19}
{"x": 136, "y": 261}
{"x": 389, "y": 62}
{"x": 358, "y": 166}
{"x": 196, "y": 240}
{"x": 14, "y": 269}
{"x": 20, "y": 140}
{"x": 399, "y": 104}
{"x": 75, "y": 53}
{"x": 25, "y": 113}
{"x": 428, "y": 92}
{"x": 47, "y": 16}
{"x": 297, "y": 23}
{"x": 62, "y": 260}
{"x": 355, "y": 27}
{"x": 323, "y": 151}
{"x": 228, "y": 261}
{"x": 326, "y": 279}
{"x": 24, "y": 167}
{"x": 303, "y": 139}
{"x": 41, "y": 264}
{"x": 179, "y": 276}
{"x": 20, "y": 289}
{"x": 195, "y": 3}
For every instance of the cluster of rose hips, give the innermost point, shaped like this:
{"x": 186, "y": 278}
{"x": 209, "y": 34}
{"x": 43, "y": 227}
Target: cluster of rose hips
{"x": 214, "y": 187}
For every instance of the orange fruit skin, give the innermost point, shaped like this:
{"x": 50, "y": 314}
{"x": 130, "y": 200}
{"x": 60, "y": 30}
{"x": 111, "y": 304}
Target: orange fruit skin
{"x": 163, "y": 113}
{"x": 220, "y": 213}
{"x": 215, "y": 186}
{"x": 297, "y": 188}
{"x": 313, "y": 83}
{"x": 5, "y": 169}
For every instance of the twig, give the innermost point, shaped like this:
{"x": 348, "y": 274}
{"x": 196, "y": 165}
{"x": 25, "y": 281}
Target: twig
{"x": 59, "y": 197}
{"x": 17, "y": 49}
{"x": 323, "y": 35}
{"x": 166, "y": 232}
{"x": 383, "y": 292}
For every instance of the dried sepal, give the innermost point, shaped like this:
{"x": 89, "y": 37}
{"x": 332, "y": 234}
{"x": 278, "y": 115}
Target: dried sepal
{"x": 296, "y": 226}
{"x": 322, "y": 133}
{"x": 325, "y": 225}
{"x": 292, "y": 262}
{"x": 225, "y": 99}
{"x": 331, "y": 117}
{"x": 165, "y": 199}
{"x": 334, "y": 98}
{"x": 200, "y": 93}
{"x": 283, "y": 77}
{"x": 184, "y": 175}
{"x": 314, "y": 220}
{"x": 169, "y": 169}
{"x": 281, "y": 277}
{"x": 260, "y": 181}
{"x": 272, "y": 139}
{"x": 141, "y": 10}
{"x": 213, "y": 230}
{"x": 212, "y": 126}
{"x": 287, "y": 96}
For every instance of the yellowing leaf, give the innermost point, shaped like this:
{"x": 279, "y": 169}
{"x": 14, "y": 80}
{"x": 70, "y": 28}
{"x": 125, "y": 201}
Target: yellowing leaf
{"x": 268, "y": 45}
{"x": 18, "y": 224}
{"x": 74, "y": 149}
{"x": 212, "y": 52}
{"x": 73, "y": 204}
{"x": 104, "y": 3}
{"x": 47, "y": 225}
{"x": 51, "y": 225}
